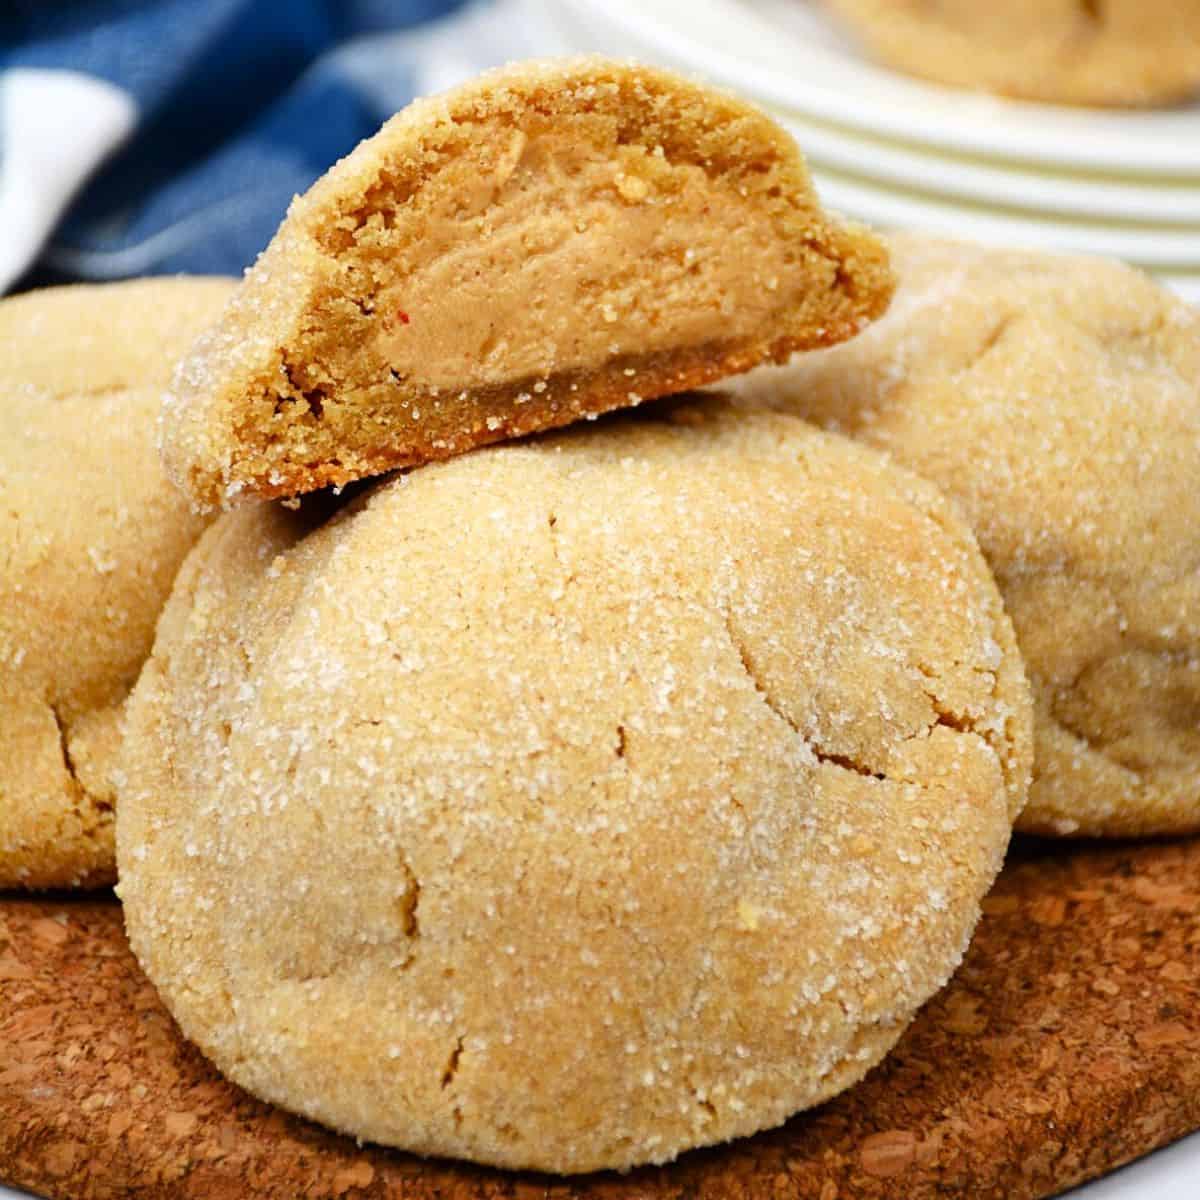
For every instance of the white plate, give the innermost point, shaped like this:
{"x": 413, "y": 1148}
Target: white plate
{"x": 1167, "y": 202}
{"x": 1186, "y": 286}
{"x": 786, "y": 54}
{"x": 1170, "y": 1174}
{"x": 1174, "y": 251}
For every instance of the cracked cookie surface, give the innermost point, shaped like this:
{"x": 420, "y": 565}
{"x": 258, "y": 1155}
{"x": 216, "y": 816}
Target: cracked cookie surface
{"x": 1092, "y": 52}
{"x": 1058, "y": 401}
{"x": 551, "y": 240}
{"x": 91, "y": 534}
{"x": 577, "y": 801}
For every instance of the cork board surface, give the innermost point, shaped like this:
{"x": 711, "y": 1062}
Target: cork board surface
{"x": 1068, "y": 1044}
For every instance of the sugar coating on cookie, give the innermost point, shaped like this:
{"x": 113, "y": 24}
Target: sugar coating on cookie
{"x": 551, "y": 240}
{"x": 576, "y": 802}
{"x": 91, "y": 534}
{"x": 1119, "y": 52}
{"x": 1057, "y": 400}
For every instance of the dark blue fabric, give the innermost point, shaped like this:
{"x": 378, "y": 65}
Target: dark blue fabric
{"x": 376, "y": 16}
{"x": 153, "y": 49}
{"x": 242, "y": 104}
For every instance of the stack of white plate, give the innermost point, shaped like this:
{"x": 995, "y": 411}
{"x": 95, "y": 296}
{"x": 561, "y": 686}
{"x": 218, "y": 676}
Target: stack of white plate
{"x": 898, "y": 152}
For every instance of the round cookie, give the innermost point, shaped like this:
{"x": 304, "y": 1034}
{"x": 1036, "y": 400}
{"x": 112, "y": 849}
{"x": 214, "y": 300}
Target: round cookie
{"x": 1058, "y": 401}
{"x": 546, "y": 242}
{"x": 91, "y": 535}
{"x": 577, "y": 802}
{"x": 1121, "y": 52}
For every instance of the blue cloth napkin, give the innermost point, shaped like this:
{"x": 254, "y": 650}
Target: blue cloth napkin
{"x": 151, "y": 136}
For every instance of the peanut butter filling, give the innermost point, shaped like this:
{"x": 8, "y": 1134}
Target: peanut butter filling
{"x": 548, "y": 271}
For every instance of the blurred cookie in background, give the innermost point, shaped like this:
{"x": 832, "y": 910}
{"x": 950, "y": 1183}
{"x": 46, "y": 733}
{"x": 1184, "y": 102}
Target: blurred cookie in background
{"x": 1085, "y": 52}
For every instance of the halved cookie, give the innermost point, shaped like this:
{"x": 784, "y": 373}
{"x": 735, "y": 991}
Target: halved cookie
{"x": 550, "y": 241}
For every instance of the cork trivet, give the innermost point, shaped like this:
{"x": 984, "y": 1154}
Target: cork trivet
{"x": 1068, "y": 1043}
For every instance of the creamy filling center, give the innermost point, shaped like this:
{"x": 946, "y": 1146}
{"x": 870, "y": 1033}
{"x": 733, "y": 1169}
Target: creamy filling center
{"x": 556, "y": 255}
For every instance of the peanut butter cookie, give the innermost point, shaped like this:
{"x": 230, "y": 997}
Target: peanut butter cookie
{"x": 91, "y": 534}
{"x": 544, "y": 243}
{"x": 574, "y": 802}
{"x": 1058, "y": 401}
